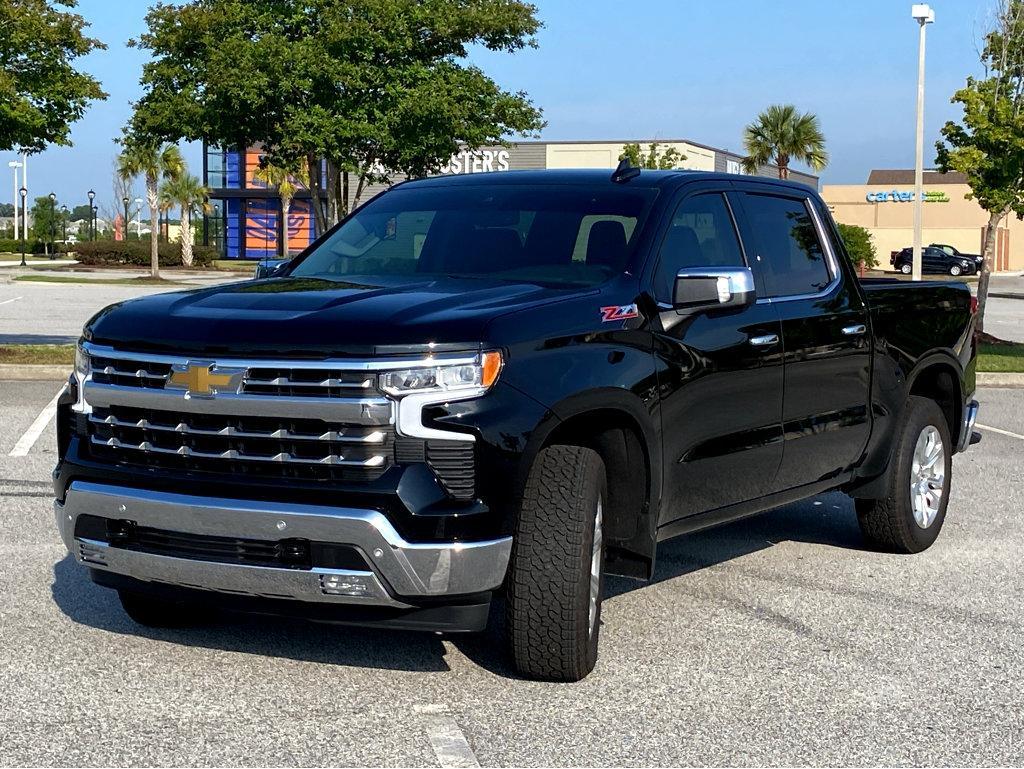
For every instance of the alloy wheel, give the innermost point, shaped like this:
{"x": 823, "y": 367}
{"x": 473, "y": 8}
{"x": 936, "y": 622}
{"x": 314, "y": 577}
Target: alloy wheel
{"x": 928, "y": 476}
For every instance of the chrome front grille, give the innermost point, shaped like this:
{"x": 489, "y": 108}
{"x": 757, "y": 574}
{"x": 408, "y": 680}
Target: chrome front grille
{"x": 247, "y": 445}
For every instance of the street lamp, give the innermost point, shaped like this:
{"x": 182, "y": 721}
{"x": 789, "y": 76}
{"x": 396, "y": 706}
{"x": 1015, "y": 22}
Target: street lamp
{"x": 124, "y": 223}
{"x": 95, "y": 221}
{"x": 138, "y": 219}
{"x": 53, "y": 224}
{"x": 924, "y": 16}
{"x": 64, "y": 225}
{"x": 24, "y": 234}
{"x": 92, "y": 210}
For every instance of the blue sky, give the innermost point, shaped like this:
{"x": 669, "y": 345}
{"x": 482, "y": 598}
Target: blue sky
{"x": 608, "y": 69}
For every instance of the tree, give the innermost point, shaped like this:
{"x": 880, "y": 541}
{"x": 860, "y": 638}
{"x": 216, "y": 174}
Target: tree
{"x": 46, "y": 220}
{"x": 6, "y": 209}
{"x": 988, "y": 146}
{"x": 188, "y": 193}
{"x": 661, "y": 161}
{"x": 375, "y": 87}
{"x": 81, "y": 211}
{"x": 287, "y": 183}
{"x": 154, "y": 162}
{"x": 781, "y": 134}
{"x": 859, "y": 245}
{"x": 41, "y": 93}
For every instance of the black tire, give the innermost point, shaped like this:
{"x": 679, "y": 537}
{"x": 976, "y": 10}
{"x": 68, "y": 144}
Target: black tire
{"x": 955, "y": 270}
{"x": 151, "y": 611}
{"x": 906, "y": 269}
{"x": 889, "y": 524}
{"x": 548, "y": 599}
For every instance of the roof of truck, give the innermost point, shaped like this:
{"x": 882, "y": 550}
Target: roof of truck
{"x": 589, "y": 176}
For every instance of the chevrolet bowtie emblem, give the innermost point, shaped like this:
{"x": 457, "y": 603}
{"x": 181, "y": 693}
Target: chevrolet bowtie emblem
{"x": 203, "y": 379}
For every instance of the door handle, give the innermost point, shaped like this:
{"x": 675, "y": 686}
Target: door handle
{"x": 764, "y": 340}
{"x": 855, "y": 330}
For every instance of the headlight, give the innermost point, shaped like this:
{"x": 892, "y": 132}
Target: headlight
{"x": 81, "y": 361}
{"x": 480, "y": 374}
{"x": 965, "y": 263}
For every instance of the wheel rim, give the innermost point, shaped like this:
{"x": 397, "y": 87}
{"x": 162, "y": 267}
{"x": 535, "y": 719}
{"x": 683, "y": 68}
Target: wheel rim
{"x": 928, "y": 476}
{"x": 595, "y": 566}
{"x": 954, "y": 270}
{"x": 906, "y": 269}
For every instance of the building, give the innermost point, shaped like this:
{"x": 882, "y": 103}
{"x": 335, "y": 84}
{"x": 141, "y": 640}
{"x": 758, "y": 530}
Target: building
{"x": 885, "y": 207}
{"x": 246, "y": 221}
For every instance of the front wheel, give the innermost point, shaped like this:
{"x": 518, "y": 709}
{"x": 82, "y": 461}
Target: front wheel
{"x": 906, "y": 269}
{"x": 909, "y": 518}
{"x": 955, "y": 270}
{"x": 556, "y": 570}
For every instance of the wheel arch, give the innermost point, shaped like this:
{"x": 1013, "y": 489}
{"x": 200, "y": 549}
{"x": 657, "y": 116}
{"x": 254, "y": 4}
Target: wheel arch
{"x": 618, "y": 426}
{"x": 938, "y": 376}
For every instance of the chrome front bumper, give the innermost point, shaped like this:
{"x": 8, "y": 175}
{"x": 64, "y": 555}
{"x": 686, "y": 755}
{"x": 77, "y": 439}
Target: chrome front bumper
{"x": 400, "y": 572}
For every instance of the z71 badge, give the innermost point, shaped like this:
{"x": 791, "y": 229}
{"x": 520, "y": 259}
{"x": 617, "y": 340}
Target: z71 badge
{"x": 618, "y": 312}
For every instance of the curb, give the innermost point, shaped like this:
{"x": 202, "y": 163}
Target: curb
{"x": 999, "y": 379}
{"x": 34, "y": 371}
{"x": 1001, "y": 295}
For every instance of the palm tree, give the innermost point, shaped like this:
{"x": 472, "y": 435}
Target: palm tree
{"x": 288, "y": 182}
{"x": 781, "y": 134}
{"x": 154, "y": 162}
{"x": 189, "y": 193}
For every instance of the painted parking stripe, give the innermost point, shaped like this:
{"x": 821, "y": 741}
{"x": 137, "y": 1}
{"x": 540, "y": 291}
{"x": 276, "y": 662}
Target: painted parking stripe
{"x": 28, "y": 440}
{"x": 446, "y": 738}
{"x": 1007, "y": 433}
{"x": 15, "y": 299}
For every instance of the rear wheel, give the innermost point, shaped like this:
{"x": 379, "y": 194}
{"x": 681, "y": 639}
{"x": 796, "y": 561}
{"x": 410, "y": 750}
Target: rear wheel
{"x": 556, "y": 572}
{"x": 909, "y": 518}
{"x": 159, "y": 612}
{"x": 906, "y": 269}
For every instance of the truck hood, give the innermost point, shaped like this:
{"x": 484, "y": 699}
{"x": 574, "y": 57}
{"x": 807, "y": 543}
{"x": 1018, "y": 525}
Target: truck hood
{"x": 304, "y": 317}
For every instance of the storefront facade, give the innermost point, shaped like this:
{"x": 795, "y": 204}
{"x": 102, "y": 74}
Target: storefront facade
{"x": 246, "y": 221}
{"x": 885, "y": 206}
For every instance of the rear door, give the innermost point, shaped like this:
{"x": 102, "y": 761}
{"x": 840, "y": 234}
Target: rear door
{"x": 719, "y": 371}
{"x": 825, "y": 333}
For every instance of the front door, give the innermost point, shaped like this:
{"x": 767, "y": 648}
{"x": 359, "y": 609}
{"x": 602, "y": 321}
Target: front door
{"x": 720, "y": 372}
{"x": 825, "y": 334}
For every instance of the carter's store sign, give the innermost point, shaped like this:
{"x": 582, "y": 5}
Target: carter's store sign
{"x": 905, "y": 196}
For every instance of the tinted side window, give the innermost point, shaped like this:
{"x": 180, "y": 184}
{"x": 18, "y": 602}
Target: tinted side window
{"x": 790, "y": 253}
{"x": 702, "y": 234}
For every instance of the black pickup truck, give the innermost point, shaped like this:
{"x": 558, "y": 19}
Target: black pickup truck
{"x": 506, "y": 384}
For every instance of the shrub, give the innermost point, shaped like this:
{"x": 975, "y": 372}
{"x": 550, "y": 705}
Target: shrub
{"x": 14, "y": 246}
{"x": 135, "y": 253}
{"x": 859, "y": 245}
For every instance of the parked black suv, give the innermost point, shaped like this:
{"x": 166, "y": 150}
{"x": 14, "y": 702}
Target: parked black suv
{"x": 509, "y": 382}
{"x": 934, "y": 260}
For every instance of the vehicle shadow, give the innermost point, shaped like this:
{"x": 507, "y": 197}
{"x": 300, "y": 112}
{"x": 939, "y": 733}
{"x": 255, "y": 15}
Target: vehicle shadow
{"x": 295, "y": 639}
{"x": 827, "y": 520}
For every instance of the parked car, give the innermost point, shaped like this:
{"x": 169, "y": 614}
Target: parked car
{"x": 953, "y": 251}
{"x": 933, "y": 261}
{"x": 266, "y": 267}
{"x": 506, "y": 383}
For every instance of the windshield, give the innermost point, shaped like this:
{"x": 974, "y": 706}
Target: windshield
{"x": 558, "y": 236}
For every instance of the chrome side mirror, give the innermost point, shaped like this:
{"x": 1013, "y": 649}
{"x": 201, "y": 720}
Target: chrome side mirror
{"x": 708, "y": 288}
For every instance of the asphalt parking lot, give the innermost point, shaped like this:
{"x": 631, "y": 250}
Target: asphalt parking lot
{"x": 779, "y": 641}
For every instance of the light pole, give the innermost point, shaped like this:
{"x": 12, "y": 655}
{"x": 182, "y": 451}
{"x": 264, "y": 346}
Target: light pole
{"x": 138, "y": 219}
{"x": 924, "y": 16}
{"x": 95, "y": 221}
{"x": 14, "y": 165}
{"x": 53, "y": 224}
{"x": 24, "y": 234}
{"x": 124, "y": 222}
{"x": 92, "y": 209}
{"x": 64, "y": 226}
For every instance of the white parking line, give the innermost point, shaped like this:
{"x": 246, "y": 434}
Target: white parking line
{"x": 15, "y": 299}
{"x": 1018, "y": 436}
{"x": 28, "y": 440}
{"x": 446, "y": 738}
